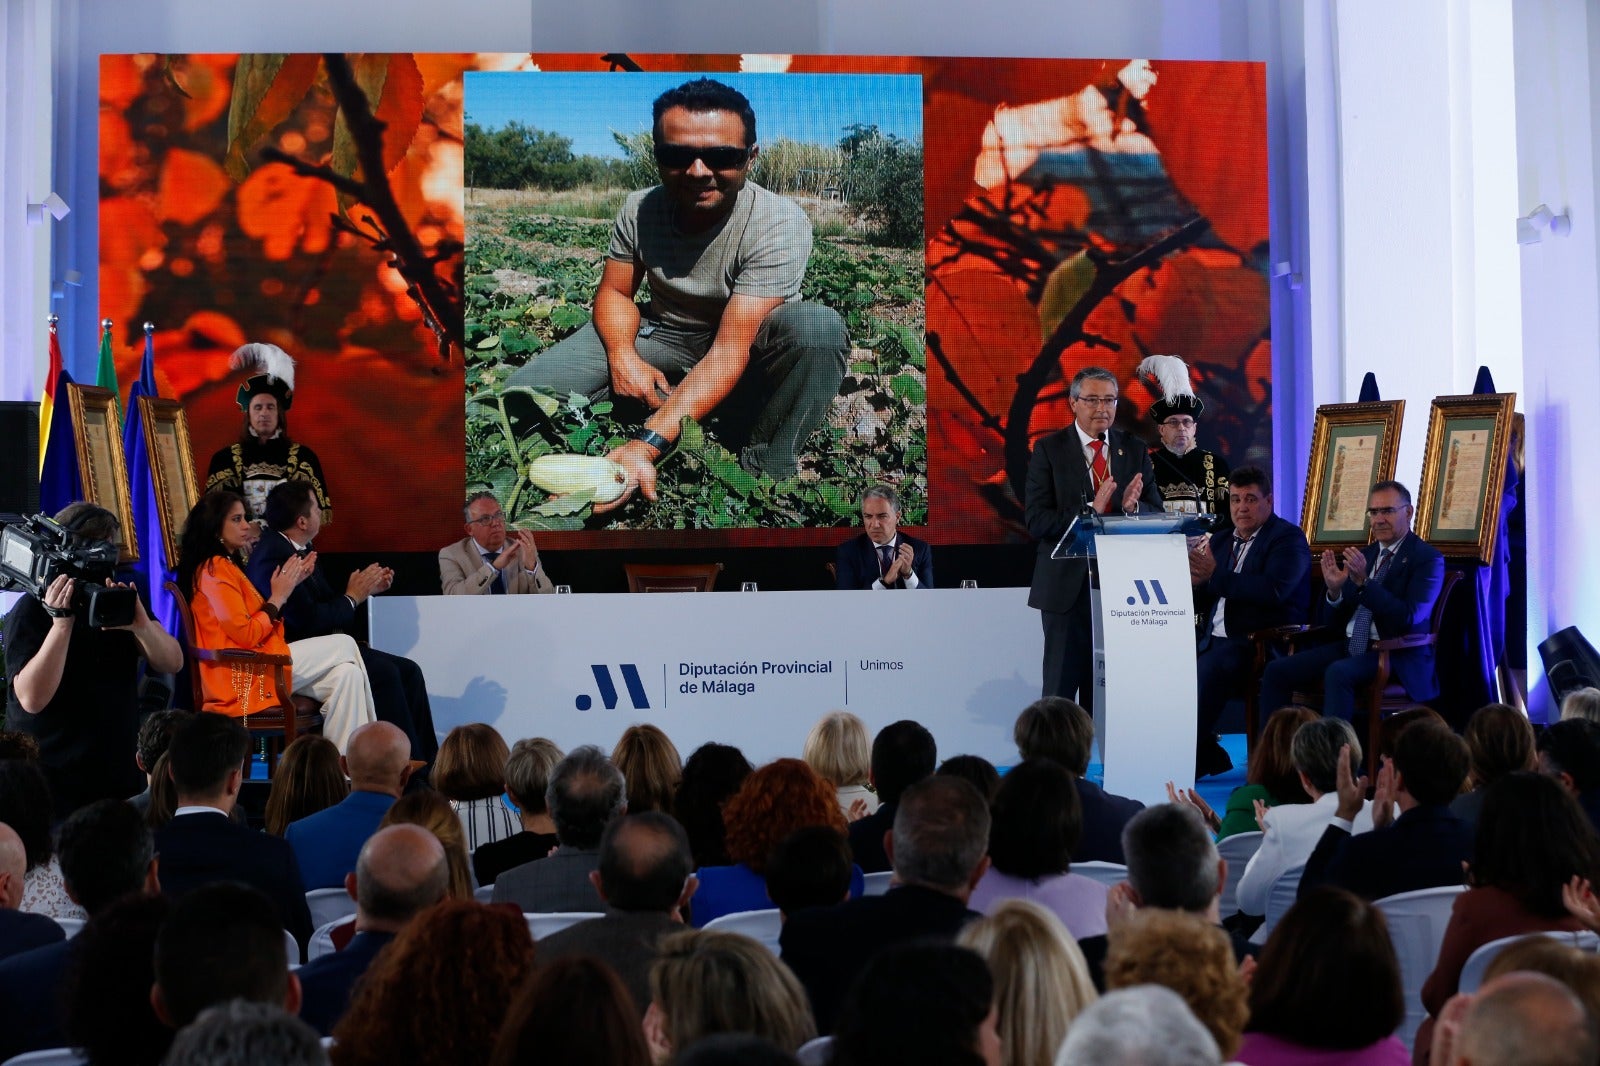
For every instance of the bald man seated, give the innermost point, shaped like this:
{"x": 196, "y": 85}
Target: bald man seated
{"x": 1517, "y": 1019}
{"x": 378, "y": 763}
{"x": 400, "y": 873}
{"x": 19, "y": 931}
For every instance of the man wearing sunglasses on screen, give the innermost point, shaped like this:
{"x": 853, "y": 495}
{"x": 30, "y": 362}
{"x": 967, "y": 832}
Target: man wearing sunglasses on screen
{"x": 725, "y": 331}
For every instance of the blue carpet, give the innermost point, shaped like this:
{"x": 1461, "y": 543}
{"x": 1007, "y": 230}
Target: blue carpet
{"x": 1215, "y": 790}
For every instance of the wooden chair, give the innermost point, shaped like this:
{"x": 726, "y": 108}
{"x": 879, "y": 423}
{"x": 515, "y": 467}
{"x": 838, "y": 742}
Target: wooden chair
{"x": 688, "y": 577}
{"x": 271, "y": 722}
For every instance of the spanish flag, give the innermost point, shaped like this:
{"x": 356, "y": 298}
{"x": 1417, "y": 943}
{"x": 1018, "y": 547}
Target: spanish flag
{"x": 47, "y": 405}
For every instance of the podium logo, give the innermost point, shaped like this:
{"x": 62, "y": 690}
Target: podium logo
{"x": 1145, "y": 588}
{"x": 608, "y": 688}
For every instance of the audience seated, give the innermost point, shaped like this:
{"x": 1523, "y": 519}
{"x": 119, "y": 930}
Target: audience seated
{"x": 712, "y": 775}
{"x": 1189, "y": 955}
{"x": 572, "y": 1011}
{"x": 527, "y": 776}
{"x": 707, "y": 982}
{"x": 1574, "y": 967}
{"x": 651, "y": 766}
{"x": 1425, "y": 847}
{"x": 1582, "y": 703}
{"x": 1041, "y": 982}
{"x": 155, "y": 733}
{"x": 929, "y": 1004}
{"x": 309, "y": 779}
{"x": 810, "y": 867}
{"x": 941, "y": 832}
{"x": 109, "y": 1015}
{"x": 242, "y": 1033}
{"x": 773, "y": 802}
{"x": 1270, "y": 775}
{"x": 1522, "y": 1019}
{"x": 25, "y": 806}
{"x": 470, "y": 772}
{"x": 976, "y": 769}
{"x": 19, "y": 930}
{"x": 1499, "y": 742}
{"x": 400, "y": 872}
{"x": 903, "y": 753}
{"x": 1143, "y": 1026}
{"x": 219, "y": 942}
{"x": 839, "y": 750}
{"x": 378, "y": 762}
{"x": 1058, "y": 729}
{"x": 644, "y": 882}
{"x": 433, "y": 812}
{"x": 1393, "y": 725}
{"x": 1327, "y": 988}
{"x": 1569, "y": 751}
{"x": 438, "y": 995}
{"x": 586, "y": 792}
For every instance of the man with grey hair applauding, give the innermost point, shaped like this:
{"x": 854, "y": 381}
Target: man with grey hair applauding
{"x": 883, "y": 557}
{"x": 586, "y": 792}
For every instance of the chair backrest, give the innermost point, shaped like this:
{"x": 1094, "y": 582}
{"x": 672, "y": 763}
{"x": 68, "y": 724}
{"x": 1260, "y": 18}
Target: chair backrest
{"x": 1107, "y": 873}
{"x": 71, "y": 926}
{"x": 877, "y": 884}
{"x": 1236, "y": 849}
{"x": 484, "y": 893}
{"x": 186, "y": 617}
{"x": 321, "y": 942}
{"x": 1280, "y": 897}
{"x": 1417, "y": 922}
{"x": 55, "y": 1056}
{"x": 689, "y": 577}
{"x": 1478, "y": 962}
{"x": 555, "y": 921}
{"x": 763, "y": 926}
{"x": 329, "y": 904}
{"x": 818, "y": 1052}
{"x": 291, "y": 948}
{"x": 1450, "y": 579}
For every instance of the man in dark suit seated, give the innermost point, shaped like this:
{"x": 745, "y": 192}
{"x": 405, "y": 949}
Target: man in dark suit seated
{"x": 1423, "y": 848}
{"x": 1386, "y": 589}
{"x": 326, "y": 844}
{"x": 316, "y": 609}
{"x": 1253, "y": 576}
{"x": 903, "y": 753}
{"x": 203, "y": 843}
{"x": 1569, "y": 751}
{"x": 883, "y": 557}
{"x": 645, "y": 879}
{"x": 221, "y": 942}
{"x": 19, "y": 930}
{"x": 939, "y": 849}
{"x": 586, "y": 794}
{"x": 401, "y": 872}
{"x": 1058, "y": 729}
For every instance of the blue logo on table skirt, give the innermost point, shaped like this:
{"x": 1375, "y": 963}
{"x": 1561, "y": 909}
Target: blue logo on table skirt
{"x": 1145, "y": 589}
{"x": 608, "y": 688}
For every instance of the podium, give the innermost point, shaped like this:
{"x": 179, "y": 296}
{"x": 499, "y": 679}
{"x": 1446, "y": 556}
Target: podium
{"x": 1142, "y": 604}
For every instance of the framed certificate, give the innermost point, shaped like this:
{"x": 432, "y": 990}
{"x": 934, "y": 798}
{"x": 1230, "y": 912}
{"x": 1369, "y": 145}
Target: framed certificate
{"x": 1464, "y": 472}
{"x": 166, "y": 441}
{"x": 1352, "y": 448}
{"x": 98, "y": 434}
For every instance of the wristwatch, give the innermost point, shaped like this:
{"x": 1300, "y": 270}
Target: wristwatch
{"x": 654, "y": 439}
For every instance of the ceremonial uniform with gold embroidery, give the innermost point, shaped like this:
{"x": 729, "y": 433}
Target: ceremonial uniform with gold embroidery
{"x": 252, "y": 468}
{"x": 1193, "y": 483}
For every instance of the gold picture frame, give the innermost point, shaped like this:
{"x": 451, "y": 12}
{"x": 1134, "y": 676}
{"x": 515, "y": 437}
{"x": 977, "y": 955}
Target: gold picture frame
{"x": 1353, "y": 447}
{"x": 1464, "y": 473}
{"x": 102, "y": 468}
{"x": 166, "y": 442}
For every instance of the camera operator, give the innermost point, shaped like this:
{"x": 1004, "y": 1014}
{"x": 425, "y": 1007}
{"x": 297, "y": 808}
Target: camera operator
{"x": 75, "y": 688}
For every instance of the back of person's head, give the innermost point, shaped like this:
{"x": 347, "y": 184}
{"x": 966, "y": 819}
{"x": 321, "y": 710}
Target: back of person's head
{"x": 1526, "y": 1019}
{"x": 711, "y": 775}
{"x": 1271, "y": 762}
{"x": 309, "y": 779}
{"x": 976, "y": 769}
{"x": 1189, "y": 955}
{"x": 471, "y": 763}
{"x": 838, "y": 749}
{"x": 401, "y": 871}
{"x": 431, "y": 811}
{"x": 1041, "y": 981}
{"x": 242, "y": 1033}
{"x": 1055, "y": 728}
{"x": 1570, "y": 749}
{"x": 221, "y": 941}
{"x": 1499, "y": 741}
{"x": 155, "y": 734}
{"x": 734, "y": 1049}
{"x": 163, "y": 794}
{"x": 1143, "y": 1026}
{"x": 1432, "y": 762}
{"x": 1579, "y": 970}
{"x": 25, "y": 807}
{"x": 651, "y": 767}
{"x": 203, "y": 752}
{"x": 774, "y": 801}
{"x": 287, "y": 503}
{"x": 1331, "y": 947}
{"x": 105, "y": 851}
{"x": 941, "y": 834}
{"x": 377, "y": 756}
{"x": 13, "y": 867}
{"x": 1393, "y": 725}
{"x": 586, "y": 792}
{"x": 1036, "y": 820}
{"x": 574, "y": 1011}
{"x": 1582, "y": 703}
{"x": 1172, "y": 860}
{"x": 705, "y": 982}
{"x": 15, "y": 744}
{"x": 903, "y": 753}
{"x": 644, "y": 862}
{"x": 528, "y": 772}
{"x": 1532, "y": 838}
{"x": 810, "y": 867}
{"x": 106, "y": 999}
{"x": 1315, "y": 751}
{"x": 917, "y": 1003}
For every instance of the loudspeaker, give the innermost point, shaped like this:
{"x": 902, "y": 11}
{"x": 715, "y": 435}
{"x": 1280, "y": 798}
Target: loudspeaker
{"x": 19, "y": 474}
{"x": 1570, "y": 663}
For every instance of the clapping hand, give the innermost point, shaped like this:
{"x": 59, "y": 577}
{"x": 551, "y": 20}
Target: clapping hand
{"x": 1188, "y": 797}
{"x": 1352, "y": 789}
{"x": 287, "y": 577}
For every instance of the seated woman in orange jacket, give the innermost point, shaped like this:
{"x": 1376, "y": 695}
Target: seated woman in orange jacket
{"x": 230, "y": 613}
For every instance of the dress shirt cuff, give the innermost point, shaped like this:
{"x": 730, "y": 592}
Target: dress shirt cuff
{"x": 911, "y": 581}
{"x": 1346, "y": 824}
{"x": 878, "y": 584}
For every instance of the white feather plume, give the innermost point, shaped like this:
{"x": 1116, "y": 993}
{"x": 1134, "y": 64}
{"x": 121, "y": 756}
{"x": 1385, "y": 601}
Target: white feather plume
{"x": 1169, "y": 373}
{"x": 268, "y": 359}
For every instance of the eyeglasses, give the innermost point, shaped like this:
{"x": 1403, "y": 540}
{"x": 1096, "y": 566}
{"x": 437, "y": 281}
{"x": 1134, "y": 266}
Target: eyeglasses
{"x": 1179, "y": 423}
{"x": 496, "y": 519}
{"x": 1384, "y": 512}
{"x": 682, "y": 156}
{"x": 1096, "y": 401}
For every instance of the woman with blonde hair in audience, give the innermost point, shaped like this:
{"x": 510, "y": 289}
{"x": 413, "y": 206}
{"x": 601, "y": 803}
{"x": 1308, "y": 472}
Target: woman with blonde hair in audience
{"x": 470, "y": 771}
{"x": 308, "y": 780}
{"x": 840, "y": 751}
{"x": 527, "y": 779}
{"x": 1189, "y": 955}
{"x": 1499, "y": 742}
{"x": 773, "y": 802}
{"x": 435, "y": 814}
{"x": 650, "y": 766}
{"x": 705, "y": 982}
{"x": 439, "y": 993}
{"x": 1041, "y": 981}
{"x": 1582, "y": 703}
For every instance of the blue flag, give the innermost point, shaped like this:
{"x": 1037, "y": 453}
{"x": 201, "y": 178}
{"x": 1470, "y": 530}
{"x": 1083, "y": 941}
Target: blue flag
{"x": 59, "y": 481}
{"x": 151, "y": 570}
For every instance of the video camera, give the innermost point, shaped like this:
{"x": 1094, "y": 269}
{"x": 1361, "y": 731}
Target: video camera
{"x": 35, "y": 551}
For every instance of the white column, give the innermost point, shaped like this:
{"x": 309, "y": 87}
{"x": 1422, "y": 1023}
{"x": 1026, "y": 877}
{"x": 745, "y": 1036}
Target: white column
{"x": 25, "y": 30}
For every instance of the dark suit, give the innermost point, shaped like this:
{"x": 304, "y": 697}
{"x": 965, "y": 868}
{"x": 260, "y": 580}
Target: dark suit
{"x": 21, "y": 931}
{"x": 1424, "y": 848}
{"x": 856, "y": 563}
{"x": 198, "y": 849}
{"x": 623, "y": 940}
{"x": 558, "y": 882}
{"x": 1271, "y": 588}
{"x": 31, "y": 985}
{"x": 1401, "y": 604}
{"x": 316, "y": 609}
{"x": 491, "y": 860}
{"x": 1104, "y": 815}
{"x": 866, "y": 839}
{"x": 327, "y": 981}
{"x": 1058, "y": 488}
{"x": 326, "y": 844}
{"x": 827, "y": 947}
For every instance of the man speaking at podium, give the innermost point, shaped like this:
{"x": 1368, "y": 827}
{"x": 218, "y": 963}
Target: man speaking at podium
{"x": 1088, "y": 464}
